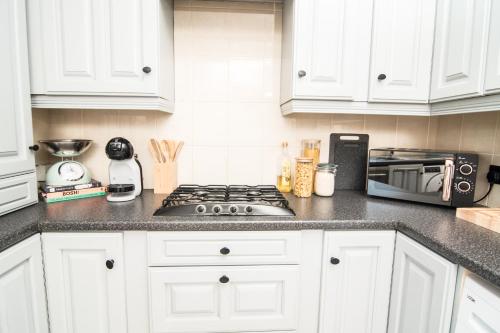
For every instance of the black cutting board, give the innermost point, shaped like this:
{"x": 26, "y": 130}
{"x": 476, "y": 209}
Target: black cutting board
{"x": 350, "y": 152}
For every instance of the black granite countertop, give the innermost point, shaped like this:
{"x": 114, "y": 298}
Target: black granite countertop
{"x": 471, "y": 246}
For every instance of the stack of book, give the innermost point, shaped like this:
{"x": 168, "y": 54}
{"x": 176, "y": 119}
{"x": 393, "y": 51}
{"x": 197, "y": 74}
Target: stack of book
{"x": 72, "y": 192}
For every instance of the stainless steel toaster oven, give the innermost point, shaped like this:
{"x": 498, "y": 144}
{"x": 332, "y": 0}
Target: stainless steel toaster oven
{"x": 421, "y": 175}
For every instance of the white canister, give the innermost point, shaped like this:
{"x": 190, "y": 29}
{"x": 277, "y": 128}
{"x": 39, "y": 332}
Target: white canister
{"x": 324, "y": 180}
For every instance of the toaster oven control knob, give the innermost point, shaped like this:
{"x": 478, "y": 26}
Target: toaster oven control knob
{"x": 233, "y": 209}
{"x": 200, "y": 209}
{"x": 217, "y": 209}
{"x": 248, "y": 209}
{"x": 463, "y": 186}
{"x": 466, "y": 169}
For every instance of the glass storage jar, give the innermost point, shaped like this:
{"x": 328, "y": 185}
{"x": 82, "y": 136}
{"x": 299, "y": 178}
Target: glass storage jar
{"x": 304, "y": 173}
{"x": 324, "y": 179}
{"x": 311, "y": 148}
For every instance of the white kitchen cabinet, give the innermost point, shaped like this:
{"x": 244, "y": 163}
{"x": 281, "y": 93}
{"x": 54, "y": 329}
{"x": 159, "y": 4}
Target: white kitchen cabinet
{"x": 224, "y": 299}
{"x": 102, "y": 49}
{"x": 492, "y": 73}
{"x": 85, "y": 282}
{"x": 401, "y": 55}
{"x": 17, "y": 163}
{"x": 23, "y": 307}
{"x": 478, "y": 306}
{"x": 459, "y": 49}
{"x": 423, "y": 287}
{"x": 330, "y": 49}
{"x": 356, "y": 281}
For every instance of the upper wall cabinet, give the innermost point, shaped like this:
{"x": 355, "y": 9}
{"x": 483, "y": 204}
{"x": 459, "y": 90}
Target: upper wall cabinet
{"x": 492, "y": 80}
{"x": 330, "y": 53}
{"x": 460, "y": 49}
{"x": 102, "y": 49}
{"x": 402, "y": 50}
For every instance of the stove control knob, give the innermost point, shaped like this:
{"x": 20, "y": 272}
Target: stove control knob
{"x": 217, "y": 209}
{"x": 466, "y": 169}
{"x": 200, "y": 209}
{"x": 233, "y": 209}
{"x": 248, "y": 209}
{"x": 463, "y": 186}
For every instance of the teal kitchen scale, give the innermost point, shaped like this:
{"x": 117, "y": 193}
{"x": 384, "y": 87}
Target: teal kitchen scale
{"x": 67, "y": 171}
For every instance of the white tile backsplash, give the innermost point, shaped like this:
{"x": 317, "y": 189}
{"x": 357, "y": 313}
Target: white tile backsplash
{"x": 227, "y": 79}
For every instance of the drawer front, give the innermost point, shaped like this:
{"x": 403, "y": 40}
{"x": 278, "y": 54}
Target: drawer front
{"x": 224, "y": 299}
{"x": 17, "y": 192}
{"x": 223, "y": 248}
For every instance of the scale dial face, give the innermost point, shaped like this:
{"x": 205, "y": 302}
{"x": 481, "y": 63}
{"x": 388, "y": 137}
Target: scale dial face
{"x": 71, "y": 171}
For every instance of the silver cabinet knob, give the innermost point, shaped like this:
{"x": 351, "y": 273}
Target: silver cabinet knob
{"x": 302, "y": 73}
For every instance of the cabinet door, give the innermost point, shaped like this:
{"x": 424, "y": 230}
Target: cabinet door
{"x": 130, "y": 45}
{"x": 423, "y": 287}
{"x": 459, "y": 49}
{"x": 23, "y": 307}
{"x": 332, "y": 48}
{"x": 492, "y": 80}
{"x": 355, "y": 290}
{"x": 189, "y": 299}
{"x": 15, "y": 107}
{"x": 84, "y": 295}
{"x": 401, "y": 60}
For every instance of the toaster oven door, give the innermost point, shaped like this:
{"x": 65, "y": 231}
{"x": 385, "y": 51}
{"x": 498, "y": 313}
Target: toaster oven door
{"x": 421, "y": 181}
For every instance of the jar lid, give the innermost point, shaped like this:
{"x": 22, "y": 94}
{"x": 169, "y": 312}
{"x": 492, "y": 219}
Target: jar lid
{"x": 326, "y": 166}
{"x": 304, "y": 159}
{"x": 311, "y": 141}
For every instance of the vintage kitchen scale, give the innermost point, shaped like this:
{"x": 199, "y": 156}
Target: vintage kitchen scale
{"x": 67, "y": 171}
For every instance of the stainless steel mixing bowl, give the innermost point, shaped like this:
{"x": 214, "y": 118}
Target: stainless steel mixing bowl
{"x": 66, "y": 147}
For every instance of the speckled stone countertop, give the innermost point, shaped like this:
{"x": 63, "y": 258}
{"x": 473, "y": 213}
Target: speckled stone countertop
{"x": 471, "y": 246}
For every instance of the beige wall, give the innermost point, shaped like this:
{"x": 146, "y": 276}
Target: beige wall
{"x": 227, "y": 107}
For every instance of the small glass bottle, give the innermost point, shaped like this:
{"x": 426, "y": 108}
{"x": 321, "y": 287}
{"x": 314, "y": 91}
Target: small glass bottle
{"x": 284, "y": 182}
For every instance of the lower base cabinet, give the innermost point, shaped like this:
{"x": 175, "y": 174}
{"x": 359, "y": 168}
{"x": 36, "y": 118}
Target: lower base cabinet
{"x": 23, "y": 307}
{"x": 85, "y": 282}
{"x": 356, "y": 281}
{"x": 423, "y": 288}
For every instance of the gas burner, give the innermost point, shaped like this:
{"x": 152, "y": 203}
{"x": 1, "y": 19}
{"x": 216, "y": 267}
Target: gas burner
{"x": 221, "y": 200}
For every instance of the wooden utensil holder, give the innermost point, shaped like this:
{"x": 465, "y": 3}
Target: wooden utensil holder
{"x": 165, "y": 177}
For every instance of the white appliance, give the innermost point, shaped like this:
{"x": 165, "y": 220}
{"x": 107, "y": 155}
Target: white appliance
{"x": 125, "y": 171}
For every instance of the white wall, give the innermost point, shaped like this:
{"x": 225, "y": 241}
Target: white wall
{"x": 227, "y": 104}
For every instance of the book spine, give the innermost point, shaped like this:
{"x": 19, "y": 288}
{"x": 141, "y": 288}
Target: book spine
{"x": 74, "y": 197}
{"x": 74, "y": 192}
{"x": 52, "y": 189}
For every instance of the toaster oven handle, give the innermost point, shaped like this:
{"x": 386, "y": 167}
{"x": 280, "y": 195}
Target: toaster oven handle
{"x": 449, "y": 170}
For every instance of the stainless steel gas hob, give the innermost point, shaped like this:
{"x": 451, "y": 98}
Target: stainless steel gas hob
{"x": 232, "y": 200}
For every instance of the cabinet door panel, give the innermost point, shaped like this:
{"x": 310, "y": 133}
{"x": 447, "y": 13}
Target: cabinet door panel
{"x": 492, "y": 81}
{"x": 83, "y": 294}
{"x": 15, "y": 107}
{"x": 402, "y": 50}
{"x": 333, "y": 40}
{"x": 460, "y": 48}
{"x": 423, "y": 287}
{"x": 130, "y": 45}
{"x": 355, "y": 292}
{"x": 22, "y": 292}
{"x": 193, "y": 299}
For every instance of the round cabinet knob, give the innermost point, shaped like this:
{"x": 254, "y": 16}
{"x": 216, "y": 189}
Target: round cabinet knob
{"x": 224, "y": 279}
{"x": 466, "y": 169}
{"x": 302, "y": 73}
{"x": 34, "y": 147}
{"x": 225, "y": 251}
{"x": 110, "y": 263}
{"x": 381, "y": 77}
{"x": 463, "y": 186}
{"x": 200, "y": 209}
{"x": 146, "y": 69}
{"x": 334, "y": 261}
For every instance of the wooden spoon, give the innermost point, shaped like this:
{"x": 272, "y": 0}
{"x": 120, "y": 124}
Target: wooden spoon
{"x": 171, "y": 148}
{"x": 178, "y": 149}
{"x": 153, "y": 148}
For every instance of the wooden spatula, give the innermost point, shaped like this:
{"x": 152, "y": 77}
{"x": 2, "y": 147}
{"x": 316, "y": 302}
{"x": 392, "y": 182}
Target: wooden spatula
{"x": 178, "y": 149}
{"x": 155, "y": 151}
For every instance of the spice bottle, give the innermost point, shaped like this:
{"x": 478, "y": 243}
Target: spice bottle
{"x": 284, "y": 181}
{"x": 303, "y": 177}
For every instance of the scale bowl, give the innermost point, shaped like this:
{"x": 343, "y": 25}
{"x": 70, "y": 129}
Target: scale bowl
{"x": 66, "y": 147}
